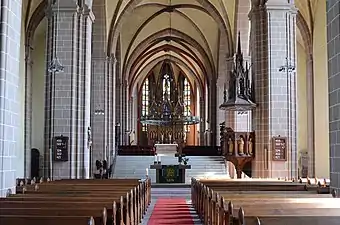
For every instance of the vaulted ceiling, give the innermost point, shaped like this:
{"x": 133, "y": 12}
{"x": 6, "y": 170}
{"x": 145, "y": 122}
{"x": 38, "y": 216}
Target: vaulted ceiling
{"x": 143, "y": 29}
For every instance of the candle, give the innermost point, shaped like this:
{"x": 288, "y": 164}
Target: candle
{"x": 147, "y": 171}
{"x": 155, "y": 158}
{"x": 159, "y": 159}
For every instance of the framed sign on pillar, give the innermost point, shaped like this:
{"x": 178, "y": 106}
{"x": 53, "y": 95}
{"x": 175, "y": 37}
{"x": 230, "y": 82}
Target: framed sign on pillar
{"x": 279, "y": 148}
{"x": 60, "y": 148}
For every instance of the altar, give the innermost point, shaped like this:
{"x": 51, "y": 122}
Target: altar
{"x": 166, "y": 149}
{"x": 170, "y": 173}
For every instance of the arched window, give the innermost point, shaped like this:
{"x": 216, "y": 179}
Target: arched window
{"x": 186, "y": 97}
{"x": 145, "y": 101}
{"x": 187, "y": 100}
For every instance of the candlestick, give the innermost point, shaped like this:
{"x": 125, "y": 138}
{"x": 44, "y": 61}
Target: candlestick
{"x": 147, "y": 171}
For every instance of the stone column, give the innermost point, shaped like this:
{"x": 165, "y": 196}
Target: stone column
{"x": 202, "y": 119}
{"x": 333, "y": 90}
{"x": 213, "y": 111}
{"x": 110, "y": 73}
{"x": 98, "y": 107}
{"x": 67, "y": 109}
{"x": 273, "y": 41}
{"x": 10, "y": 17}
{"x": 100, "y": 115}
{"x": 124, "y": 112}
{"x": 310, "y": 117}
{"x": 28, "y": 111}
{"x": 220, "y": 114}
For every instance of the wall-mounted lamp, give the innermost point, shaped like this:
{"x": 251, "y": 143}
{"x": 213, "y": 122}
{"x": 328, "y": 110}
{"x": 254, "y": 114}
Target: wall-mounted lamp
{"x": 100, "y": 112}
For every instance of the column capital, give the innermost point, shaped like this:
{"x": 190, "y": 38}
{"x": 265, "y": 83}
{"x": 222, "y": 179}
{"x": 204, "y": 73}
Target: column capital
{"x": 88, "y": 13}
{"x": 112, "y": 59}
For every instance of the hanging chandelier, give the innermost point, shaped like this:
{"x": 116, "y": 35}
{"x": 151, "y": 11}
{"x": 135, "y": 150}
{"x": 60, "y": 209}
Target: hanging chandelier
{"x": 166, "y": 112}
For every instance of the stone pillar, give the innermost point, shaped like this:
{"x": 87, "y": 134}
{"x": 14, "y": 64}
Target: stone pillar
{"x": 124, "y": 113}
{"x": 110, "y": 73}
{"x": 28, "y": 111}
{"x": 118, "y": 101}
{"x": 220, "y": 114}
{"x": 202, "y": 119}
{"x": 333, "y": 90}
{"x": 213, "y": 111}
{"x": 98, "y": 107}
{"x": 67, "y": 112}
{"x": 100, "y": 115}
{"x": 273, "y": 40}
{"x": 310, "y": 117}
{"x": 9, "y": 92}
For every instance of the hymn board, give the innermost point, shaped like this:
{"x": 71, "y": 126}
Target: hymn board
{"x": 60, "y": 148}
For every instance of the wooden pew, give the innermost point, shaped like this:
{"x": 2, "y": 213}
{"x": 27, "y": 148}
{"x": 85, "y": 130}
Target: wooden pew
{"x": 321, "y": 186}
{"x": 50, "y": 220}
{"x": 254, "y": 185}
{"x": 213, "y": 209}
{"x": 68, "y": 192}
{"x": 142, "y": 192}
{"x": 7, "y": 214}
{"x": 146, "y": 186}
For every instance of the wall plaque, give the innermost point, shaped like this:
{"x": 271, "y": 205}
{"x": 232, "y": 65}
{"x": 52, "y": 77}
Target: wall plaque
{"x": 279, "y": 148}
{"x": 60, "y": 149}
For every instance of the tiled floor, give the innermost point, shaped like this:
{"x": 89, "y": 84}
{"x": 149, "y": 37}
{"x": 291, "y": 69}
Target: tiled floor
{"x": 170, "y": 193}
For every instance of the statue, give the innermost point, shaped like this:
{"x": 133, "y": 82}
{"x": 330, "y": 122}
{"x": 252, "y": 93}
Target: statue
{"x": 241, "y": 145}
{"x": 230, "y": 146}
{"x": 250, "y": 146}
{"x": 89, "y": 137}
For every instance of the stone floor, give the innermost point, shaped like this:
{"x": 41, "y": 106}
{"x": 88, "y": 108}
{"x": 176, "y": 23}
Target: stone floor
{"x": 170, "y": 193}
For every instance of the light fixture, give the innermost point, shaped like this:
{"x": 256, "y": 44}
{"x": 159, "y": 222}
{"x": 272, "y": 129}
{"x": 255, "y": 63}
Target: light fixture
{"x": 55, "y": 66}
{"x": 288, "y": 67}
{"x": 100, "y": 112}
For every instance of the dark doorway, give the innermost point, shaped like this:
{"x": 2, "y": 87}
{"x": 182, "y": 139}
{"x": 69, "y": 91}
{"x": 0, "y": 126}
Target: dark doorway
{"x": 35, "y": 162}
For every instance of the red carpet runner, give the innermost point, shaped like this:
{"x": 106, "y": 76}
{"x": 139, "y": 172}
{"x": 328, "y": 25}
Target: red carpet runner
{"x": 171, "y": 211}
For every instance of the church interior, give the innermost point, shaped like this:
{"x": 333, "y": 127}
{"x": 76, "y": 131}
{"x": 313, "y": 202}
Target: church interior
{"x": 186, "y": 104}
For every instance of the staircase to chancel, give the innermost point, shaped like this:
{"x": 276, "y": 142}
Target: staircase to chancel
{"x": 201, "y": 166}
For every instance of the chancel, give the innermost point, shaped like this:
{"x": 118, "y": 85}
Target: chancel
{"x": 233, "y": 103}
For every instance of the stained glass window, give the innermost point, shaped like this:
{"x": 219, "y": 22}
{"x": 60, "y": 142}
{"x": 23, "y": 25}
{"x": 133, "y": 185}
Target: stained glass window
{"x": 187, "y": 100}
{"x": 145, "y": 101}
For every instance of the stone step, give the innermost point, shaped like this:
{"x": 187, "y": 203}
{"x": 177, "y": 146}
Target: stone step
{"x": 201, "y": 166}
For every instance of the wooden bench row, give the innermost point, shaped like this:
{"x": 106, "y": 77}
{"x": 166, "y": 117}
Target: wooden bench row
{"x": 216, "y": 204}
{"x": 116, "y": 201}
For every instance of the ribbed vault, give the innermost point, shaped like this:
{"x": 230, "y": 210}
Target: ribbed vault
{"x": 142, "y": 28}
{"x": 185, "y": 32}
